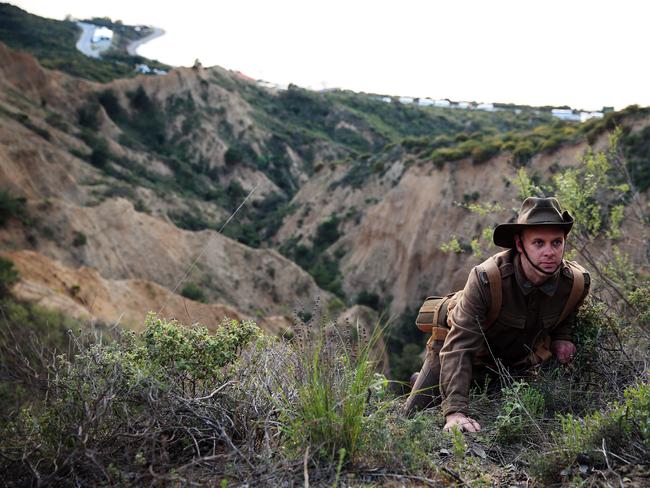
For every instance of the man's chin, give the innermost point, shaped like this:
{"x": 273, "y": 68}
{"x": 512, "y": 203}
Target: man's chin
{"x": 549, "y": 268}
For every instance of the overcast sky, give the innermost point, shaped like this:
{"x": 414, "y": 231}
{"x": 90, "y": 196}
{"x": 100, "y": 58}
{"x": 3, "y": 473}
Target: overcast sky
{"x": 586, "y": 54}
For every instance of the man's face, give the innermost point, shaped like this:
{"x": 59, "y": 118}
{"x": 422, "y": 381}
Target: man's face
{"x": 544, "y": 246}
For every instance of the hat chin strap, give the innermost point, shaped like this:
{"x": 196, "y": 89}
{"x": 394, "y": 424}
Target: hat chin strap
{"x": 534, "y": 265}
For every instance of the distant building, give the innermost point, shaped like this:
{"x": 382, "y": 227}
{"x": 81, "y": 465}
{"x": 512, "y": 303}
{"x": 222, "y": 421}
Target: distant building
{"x": 584, "y": 116}
{"x": 442, "y": 103}
{"x": 425, "y": 102}
{"x": 406, "y": 100}
{"x": 565, "y": 114}
{"x": 386, "y": 99}
{"x": 143, "y": 69}
{"x": 157, "y": 71}
{"x": 465, "y": 105}
{"x": 102, "y": 34}
{"x": 488, "y": 107}
{"x": 606, "y": 110}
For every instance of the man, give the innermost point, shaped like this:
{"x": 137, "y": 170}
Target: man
{"x": 521, "y": 323}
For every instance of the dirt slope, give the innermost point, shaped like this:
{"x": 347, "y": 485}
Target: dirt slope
{"x": 38, "y": 162}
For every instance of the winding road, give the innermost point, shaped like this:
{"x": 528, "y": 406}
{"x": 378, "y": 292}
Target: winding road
{"x": 86, "y": 46}
{"x": 133, "y": 46}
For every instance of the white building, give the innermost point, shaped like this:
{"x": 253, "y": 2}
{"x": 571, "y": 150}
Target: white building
{"x": 406, "y": 100}
{"x": 386, "y": 99}
{"x": 488, "y": 107}
{"x": 565, "y": 114}
{"x": 425, "y": 102}
{"x": 102, "y": 34}
{"x": 584, "y": 116}
{"x": 442, "y": 103}
{"x": 143, "y": 69}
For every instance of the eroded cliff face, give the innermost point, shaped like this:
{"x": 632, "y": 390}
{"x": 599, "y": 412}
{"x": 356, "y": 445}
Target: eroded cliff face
{"x": 124, "y": 254}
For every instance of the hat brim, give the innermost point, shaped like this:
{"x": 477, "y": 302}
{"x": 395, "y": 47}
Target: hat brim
{"x": 504, "y": 234}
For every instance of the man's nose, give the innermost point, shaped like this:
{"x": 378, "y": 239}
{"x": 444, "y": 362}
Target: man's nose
{"x": 548, "y": 250}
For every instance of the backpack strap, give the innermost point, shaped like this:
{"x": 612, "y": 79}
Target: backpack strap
{"x": 577, "y": 290}
{"x": 494, "y": 279}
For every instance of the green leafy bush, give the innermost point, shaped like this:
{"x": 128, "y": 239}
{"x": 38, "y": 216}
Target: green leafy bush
{"x": 522, "y": 407}
{"x": 368, "y": 299}
{"x": 193, "y": 292}
{"x": 8, "y": 275}
{"x": 150, "y": 400}
{"x": 192, "y": 353}
{"x": 79, "y": 239}
{"x": 233, "y": 155}
{"x": 622, "y": 427}
{"x": 484, "y": 152}
{"x": 11, "y": 207}
{"x": 636, "y": 148}
{"x": 523, "y": 152}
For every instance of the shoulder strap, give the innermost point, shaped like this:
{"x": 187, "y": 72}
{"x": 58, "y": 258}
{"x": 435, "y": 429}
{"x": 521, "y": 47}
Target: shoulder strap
{"x": 577, "y": 289}
{"x": 494, "y": 278}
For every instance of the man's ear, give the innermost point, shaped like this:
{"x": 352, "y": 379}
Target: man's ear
{"x": 518, "y": 243}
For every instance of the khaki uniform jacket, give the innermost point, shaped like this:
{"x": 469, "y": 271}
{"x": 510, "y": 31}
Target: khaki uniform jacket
{"x": 528, "y": 318}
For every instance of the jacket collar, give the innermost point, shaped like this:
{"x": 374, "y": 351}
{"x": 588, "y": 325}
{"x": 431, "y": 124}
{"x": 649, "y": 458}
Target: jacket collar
{"x": 549, "y": 287}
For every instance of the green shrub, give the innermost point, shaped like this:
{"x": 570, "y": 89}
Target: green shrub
{"x": 30, "y": 336}
{"x": 8, "y": 276}
{"x": 327, "y": 274}
{"x": 193, "y": 292}
{"x": 233, "y": 155}
{"x": 440, "y": 156}
{"x": 636, "y": 148}
{"x": 368, "y": 299}
{"x": 623, "y": 427}
{"x": 522, "y": 407}
{"x": 523, "y": 152}
{"x": 327, "y": 233}
{"x": 111, "y": 104}
{"x": 193, "y": 353}
{"x": 88, "y": 116}
{"x": 188, "y": 220}
{"x": 155, "y": 400}
{"x": 484, "y": 152}
{"x": 11, "y": 207}
{"x": 79, "y": 239}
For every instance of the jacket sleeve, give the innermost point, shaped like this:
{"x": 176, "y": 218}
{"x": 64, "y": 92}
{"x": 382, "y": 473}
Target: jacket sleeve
{"x": 565, "y": 330}
{"x": 463, "y": 341}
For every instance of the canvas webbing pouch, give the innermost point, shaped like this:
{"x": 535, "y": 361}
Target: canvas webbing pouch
{"x": 432, "y": 316}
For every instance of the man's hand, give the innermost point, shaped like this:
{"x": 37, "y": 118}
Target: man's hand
{"x": 461, "y": 421}
{"x": 564, "y": 350}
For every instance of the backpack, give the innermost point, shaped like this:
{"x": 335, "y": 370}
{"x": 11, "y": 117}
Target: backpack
{"x": 432, "y": 316}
